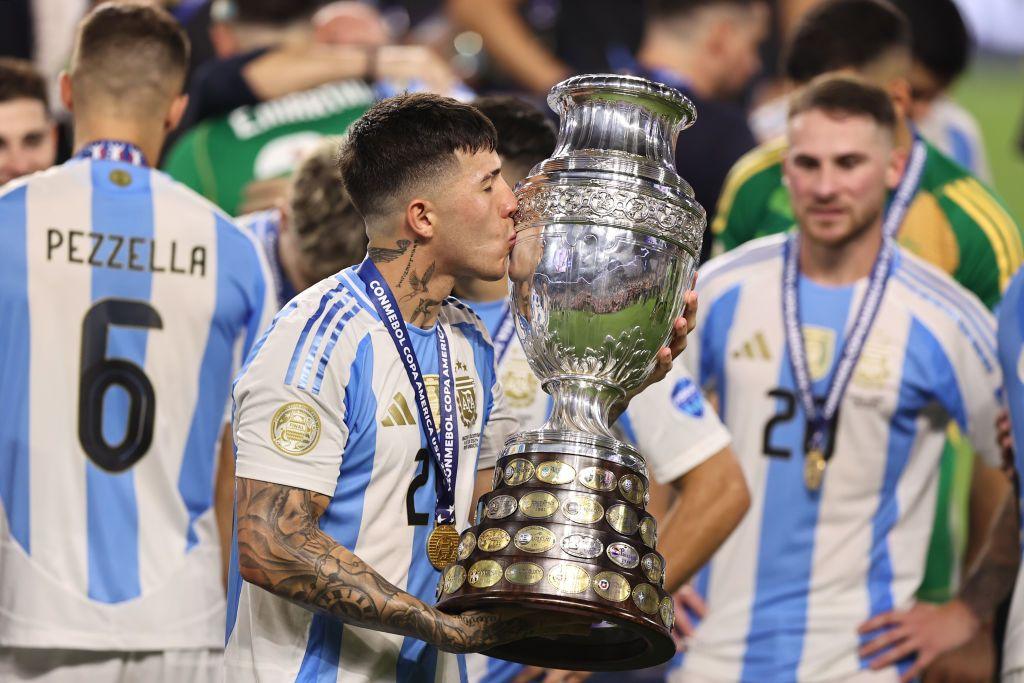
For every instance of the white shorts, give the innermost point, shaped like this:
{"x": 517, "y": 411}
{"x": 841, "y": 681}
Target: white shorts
{"x": 74, "y": 666}
{"x": 884, "y": 676}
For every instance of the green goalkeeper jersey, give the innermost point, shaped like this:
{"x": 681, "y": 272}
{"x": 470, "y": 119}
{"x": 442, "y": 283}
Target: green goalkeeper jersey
{"x": 219, "y": 157}
{"x": 954, "y": 222}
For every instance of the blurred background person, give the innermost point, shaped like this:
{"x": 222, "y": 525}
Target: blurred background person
{"x": 315, "y": 231}
{"x": 708, "y": 49}
{"x": 940, "y": 49}
{"x": 28, "y": 136}
{"x": 126, "y": 299}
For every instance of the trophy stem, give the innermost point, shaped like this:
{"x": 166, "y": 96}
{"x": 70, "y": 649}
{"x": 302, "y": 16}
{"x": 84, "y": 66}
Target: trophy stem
{"x": 582, "y": 404}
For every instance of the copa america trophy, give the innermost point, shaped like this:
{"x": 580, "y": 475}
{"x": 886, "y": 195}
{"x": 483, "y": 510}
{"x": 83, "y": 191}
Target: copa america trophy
{"x": 608, "y": 236}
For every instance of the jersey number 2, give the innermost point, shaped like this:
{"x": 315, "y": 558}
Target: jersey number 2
{"x": 100, "y": 373}
{"x": 418, "y": 518}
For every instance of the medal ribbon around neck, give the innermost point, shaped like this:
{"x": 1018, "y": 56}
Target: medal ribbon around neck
{"x": 819, "y": 419}
{"x": 443, "y": 446}
{"x": 503, "y": 335}
{"x": 113, "y": 150}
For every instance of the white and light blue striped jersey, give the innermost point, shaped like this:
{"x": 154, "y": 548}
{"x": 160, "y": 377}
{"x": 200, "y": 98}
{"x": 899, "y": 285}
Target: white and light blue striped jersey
{"x": 127, "y": 303}
{"x": 671, "y": 424}
{"x": 788, "y": 589}
{"x": 955, "y": 132}
{"x": 1011, "y": 358}
{"x": 265, "y": 226}
{"x": 330, "y": 361}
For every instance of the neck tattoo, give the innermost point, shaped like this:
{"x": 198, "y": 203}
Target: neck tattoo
{"x": 385, "y": 254}
{"x": 408, "y": 264}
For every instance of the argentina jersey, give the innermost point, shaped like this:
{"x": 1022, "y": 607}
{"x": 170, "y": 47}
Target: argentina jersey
{"x": 329, "y": 364}
{"x": 1011, "y": 358}
{"x": 788, "y": 589}
{"x": 127, "y": 304}
{"x": 671, "y": 424}
{"x": 265, "y": 227}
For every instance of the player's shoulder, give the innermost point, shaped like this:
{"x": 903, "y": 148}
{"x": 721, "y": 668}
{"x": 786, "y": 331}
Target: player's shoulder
{"x": 74, "y": 172}
{"x": 745, "y": 264}
{"x": 458, "y": 315}
{"x": 946, "y": 308}
{"x": 978, "y": 204}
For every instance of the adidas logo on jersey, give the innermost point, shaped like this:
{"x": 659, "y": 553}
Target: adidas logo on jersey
{"x": 755, "y": 348}
{"x": 398, "y": 413}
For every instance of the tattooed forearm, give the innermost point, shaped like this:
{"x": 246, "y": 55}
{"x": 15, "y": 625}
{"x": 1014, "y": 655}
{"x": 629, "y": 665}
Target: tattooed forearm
{"x": 386, "y": 254}
{"x": 282, "y": 549}
{"x": 994, "y": 572}
{"x": 424, "y": 309}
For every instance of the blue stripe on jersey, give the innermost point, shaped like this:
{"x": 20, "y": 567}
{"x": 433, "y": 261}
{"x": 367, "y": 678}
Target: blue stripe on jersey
{"x": 463, "y": 673}
{"x": 924, "y": 363}
{"x": 714, "y": 336}
{"x": 501, "y": 671}
{"x": 417, "y": 661}
{"x": 234, "y": 576}
{"x": 778, "y": 620}
{"x": 483, "y": 358}
{"x": 344, "y": 514}
{"x": 1011, "y": 353}
{"x": 297, "y": 353}
{"x": 111, "y": 507}
{"x": 329, "y": 349}
{"x": 325, "y": 323}
{"x": 15, "y": 341}
{"x": 195, "y": 479}
{"x": 956, "y": 304}
{"x": 626, "y": 425}
{"x": 961, "y": 148}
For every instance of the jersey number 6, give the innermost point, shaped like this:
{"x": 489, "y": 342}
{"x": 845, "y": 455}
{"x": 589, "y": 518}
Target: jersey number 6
{"x": 100, "y": 373}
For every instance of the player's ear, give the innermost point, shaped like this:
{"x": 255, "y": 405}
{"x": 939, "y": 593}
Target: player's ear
{"x": 176, "y": 111}
{"x": 65, "y": 91}
{"x": 894, "y": 170}
{"x": 421, "y": 216}
{"x": 899, "y": 92}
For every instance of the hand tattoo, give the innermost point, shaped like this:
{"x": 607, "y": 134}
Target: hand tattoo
{"x": 282, "y": 549}
{"x": 385, "y": 254}
{"x": 423, "y": 309}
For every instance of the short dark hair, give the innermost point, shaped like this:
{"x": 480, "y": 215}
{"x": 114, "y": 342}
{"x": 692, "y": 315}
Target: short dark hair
{"x": 661, "y": 9}
{"x": 844, "y": 34}
{"x": 525, "y": 136}
{"x": 20, "y": 80}
{"x": 939, "y": 41}
{"x": 844, "y": 95}
{"x": 408, "y": 139}
{"x": 328, "y": 230}
{"x": 132, "y": 52}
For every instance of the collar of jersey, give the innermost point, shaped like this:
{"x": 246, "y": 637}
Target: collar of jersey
{"x": 113, "y": 150}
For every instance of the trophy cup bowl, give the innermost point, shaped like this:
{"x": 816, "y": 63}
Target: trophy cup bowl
{"x": 607, "y": 242}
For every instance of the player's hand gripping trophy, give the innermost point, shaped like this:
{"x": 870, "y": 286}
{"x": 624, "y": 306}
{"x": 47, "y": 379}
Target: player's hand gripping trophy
{"x": 607, "y": 242}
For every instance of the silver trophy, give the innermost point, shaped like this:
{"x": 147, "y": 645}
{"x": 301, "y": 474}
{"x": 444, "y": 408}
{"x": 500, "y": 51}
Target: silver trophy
{"x": 608, "y": 237}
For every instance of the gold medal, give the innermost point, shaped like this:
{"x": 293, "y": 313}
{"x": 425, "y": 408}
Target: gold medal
{"x": 814, "y": 469}
{"x": 518, "y": 471}
{"x": 484, "y": 574}
{"x": 597, "y": 478}
{"x": 611, "y": 586}
{"x": 442, "y": 545}
{"x": 538, "y": 505}
{"x": 582, "y": 509}
{"x": 535, "y": 539}
{"x": 524, "y": 573}
{"x": 568, "y": 578}
{"x": 555, "y": 472}
{"x": 493, "y": 540}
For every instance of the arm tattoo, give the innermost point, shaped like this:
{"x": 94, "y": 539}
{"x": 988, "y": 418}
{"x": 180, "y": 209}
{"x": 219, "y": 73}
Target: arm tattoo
{"x": 423, "y": 309}
{"x": 282, "y": 549}
{"x": 385, "y": 254}
{"x": 994, "y": 572}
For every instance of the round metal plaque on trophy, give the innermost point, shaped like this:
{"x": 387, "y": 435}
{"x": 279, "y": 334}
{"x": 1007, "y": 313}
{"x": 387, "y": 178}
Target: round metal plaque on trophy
{"x": 607, "y": 241}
